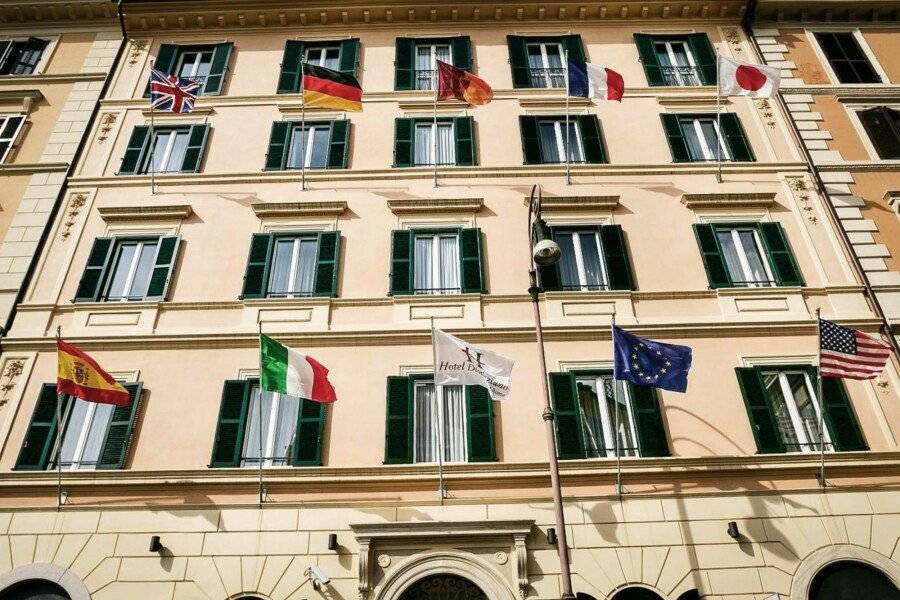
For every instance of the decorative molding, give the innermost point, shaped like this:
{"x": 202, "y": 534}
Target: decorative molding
{"x": 702, "y": 100}
{"x": 76, "y": 203}
{"x": 160, "y": 116}
{"x": 26, "y": 168}
{"x": 324, "y": 208}
{"x": 44, "y": 78}
{"x": 550, "y": 204}
{"x": 745, "y": 200}
{"x": 860, "y": 165}
{"x": 406, "y": 206}
{"x": 554, "y": 102}
{"x": 25, "y": 98}
{"x": 107, "y": 120}
{"x": 314, "y": 113}
{"x": 764, "y": 108}
{"x": 166, "y": 212}
{"x": 135, "y": 49}
{"x": 800, "y": 189}
{"x": 428, "y": 104}
{"x": 14, "y": 368}
{"x": 892, "y": 198}
{"x": 847, "y": 92}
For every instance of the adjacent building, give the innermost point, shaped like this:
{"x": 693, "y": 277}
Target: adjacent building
{"x": 191, "y": 233}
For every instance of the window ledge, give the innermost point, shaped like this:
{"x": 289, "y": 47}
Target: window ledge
{"x": 554, "y": 102}
{"x": 578, "y": 203}
{"x": 163, "y": 116}
{"x": 747, "y": 200}
{"x": 20, "y": 99}
{"x": 168, "y": 212}
{"x": 682, "y": 100}
{"x": 407, "y": 206}
{"x": 332, "y": 208}
{"x": 423, "y": 103}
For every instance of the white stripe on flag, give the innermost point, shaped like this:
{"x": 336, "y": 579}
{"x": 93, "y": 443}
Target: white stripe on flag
{"x": 299, "y": 375}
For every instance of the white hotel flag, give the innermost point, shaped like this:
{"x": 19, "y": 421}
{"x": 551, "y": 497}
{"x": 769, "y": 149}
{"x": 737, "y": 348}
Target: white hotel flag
{"x": 457, "y": 362}
{"x": 739, "y": 78}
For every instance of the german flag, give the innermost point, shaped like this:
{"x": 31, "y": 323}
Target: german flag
{"x": 330, "y": 89}
{"x": 80, "y": 376}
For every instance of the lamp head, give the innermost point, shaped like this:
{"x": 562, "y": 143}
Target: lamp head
{"x": 545, "y": 251}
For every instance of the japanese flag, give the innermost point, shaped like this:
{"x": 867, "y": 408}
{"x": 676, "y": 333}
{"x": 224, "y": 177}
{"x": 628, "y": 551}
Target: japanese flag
{"x": 739, "y": 78}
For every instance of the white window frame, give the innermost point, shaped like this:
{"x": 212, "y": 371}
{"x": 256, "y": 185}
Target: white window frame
{"x": 607, "y": 421}
{"x": 545, "y": 62}
{"x": 51, "y": 40}
{"x": 269, "y": 439}
{"x": 78, "y": 453}
{"x": 438, "y": 424}
{"x": 432, "y": 49}
{"x": 4, "y": 118}
{"x": 560, "y": 136}
{"x": 323, "y": 51}
{"x": 708, "y": 153}
{"x": 670, "y": 51}
{"x": 742, "y": 256}
{"x": 579, "y": 258}
{"x": 853, "y": 111}
{"x": 435, "y": 283}
{"x": 864, "y": 46}
{"x": 295, "y": 264}
{"x": 190, "y": 50}
{"x": 432, "y": 147}
{"x": 167, "y": 152}
{"x": 132, "y": 268}
{"x": 806, "y": 445}
{"x": 308, "y": 146}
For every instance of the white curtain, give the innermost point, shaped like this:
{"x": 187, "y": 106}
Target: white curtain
{"x": 285, "y": 429}
{"x": 423, "y": 144}
{"x": 449, "y": 273}
{"x": 306, "y": 267}
{"x": 454, "y": 424}
{"x": 277, "y": 437}
{"x": 446, "y": 144}
{"x": 591, "y": 422}
{"x": 426, "y": 431}
{"x": 426, "y": 424}
{"x": 423, "y": 266}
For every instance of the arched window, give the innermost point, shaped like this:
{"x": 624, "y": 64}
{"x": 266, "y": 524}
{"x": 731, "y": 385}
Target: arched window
{"x": 636, "y": 593}
{"x": 583, "y": 596}
{"x": 35, "y": 589}
{"x": 849, "y": 580}
{"x": 443, "y": 587}
{"x": 690, "y": 595}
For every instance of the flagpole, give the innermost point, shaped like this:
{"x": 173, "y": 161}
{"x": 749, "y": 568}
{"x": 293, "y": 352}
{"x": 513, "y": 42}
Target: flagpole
{"x": 303, "y": 132}
{"x": 434, "y": 131}
{"x": 440, "y": 404}
{"x": 615, "y": 382}
{"x": 259, "y": 417}
{"x": 566, "y": 71}
{"x": 719, "y": 140}
{"x": 819, "y": 399}
{"x": 152, "y": 142}
{"x": 59, "y": 401}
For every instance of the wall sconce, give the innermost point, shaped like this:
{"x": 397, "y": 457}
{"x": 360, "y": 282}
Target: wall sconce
{"x": 332, "y": 541}
{"x": 551, "y": 536}
{"x": 733, "y": 530}
{"x": 155, "y": 544}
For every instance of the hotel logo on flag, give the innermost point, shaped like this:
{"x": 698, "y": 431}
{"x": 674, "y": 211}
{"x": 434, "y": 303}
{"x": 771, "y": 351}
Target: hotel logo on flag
{"x": 459, "y": 363}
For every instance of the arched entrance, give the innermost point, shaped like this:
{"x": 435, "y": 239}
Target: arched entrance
{"x": 851, "y": 580}
{"x": 443, "y": 587}
{"x": 636, "y": 593}
{"x": 35, "y": 589}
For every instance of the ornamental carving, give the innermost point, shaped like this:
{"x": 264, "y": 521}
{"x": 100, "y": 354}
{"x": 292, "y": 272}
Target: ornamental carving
{"x": 137, "y": 47}
{"x": 11, "y": 373}
{"x": 72, "y": 211}
{"x": 764, "y": 107}
{"x": 801, "y": 192}
{"x": 106, "y": 124}
{"x": 733, "y": 37}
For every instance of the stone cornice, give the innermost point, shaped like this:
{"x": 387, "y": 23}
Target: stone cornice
{"x": 43, "y": 78}
{"x": 808, "y": 12}
{"x": 406, "y": 206}
{"x": 165, "y": 116}
{"x": 27, "y": 168}
{"x": 333, "y": 208}
{"x": 23, "y": 98}
{"x": 860, "y": 165}
{"x": 168, "y": 212}
{"x": 748, "y": 200}
{"x": 419, "y": 529}
{"x": 847, "y": 92}
{"x": 47, "y": 13}
{"x": 554, "y": 204}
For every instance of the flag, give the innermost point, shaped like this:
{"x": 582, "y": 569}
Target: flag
{"x": 459, "y": 363}
{"x": 286, "y": 371}
{"x": 462, "y": 85}
{"x": 330, "y": 89}
{"x": 850, "y": 354}
{"x": 654, "y": 364}
{"x": 739, "y": 78}
{"x": 79, "y": 375}
{"x": 593, "y": 81}
{"x": 171, "y": 93}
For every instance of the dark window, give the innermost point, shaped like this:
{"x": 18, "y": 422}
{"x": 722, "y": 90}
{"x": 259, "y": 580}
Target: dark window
{"x": 682, "y": 60}
{"x": 291, "y": 265}
{"x": 636, "y": 593}
{"x": 167, "y": 150}
{"x": 847, "y": 58}
{"x": 436, "y": 261}
{"x": 128, "y": 269}
{"x": 21, "y": 58}
{"x": 420, "y": 142}
{"x": 312, "y": 145}
{"x": 883, "y": 126}
{"x": 9, "y": 130}
{"x": 747, "y": 255}
{"x": 416, "y": 60}
{"x": 547, "y": 140}
{"x": 594, "y": 258}
{"x": 540, "y": 62}
{"x": 340, "y": 56}
{"x": 204, "y": 64}
{"x": 849, "y": 580}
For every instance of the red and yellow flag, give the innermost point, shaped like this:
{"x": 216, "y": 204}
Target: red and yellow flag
{"x": 453, "y": 82}
{"x": 80, "y": 376}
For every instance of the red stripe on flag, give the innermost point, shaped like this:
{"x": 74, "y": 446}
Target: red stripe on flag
{"x": 615, "y": 85}
{"x": 322, "y": 390}
{"x": 332, "y": 88}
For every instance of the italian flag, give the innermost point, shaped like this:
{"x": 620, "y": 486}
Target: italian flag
{"x": 286, "y": 371}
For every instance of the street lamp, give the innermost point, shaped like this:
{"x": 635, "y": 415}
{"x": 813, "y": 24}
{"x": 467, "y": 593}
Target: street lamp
{"x": 545, "y": 252}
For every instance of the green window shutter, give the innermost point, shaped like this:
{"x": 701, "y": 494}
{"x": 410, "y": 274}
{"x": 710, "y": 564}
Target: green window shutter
{"x": 648, "y": 421}
{"x": 704, "y": 56}
{"x": 735, "y": 139}
{"x": 308, "y": 442}
{"x": 839, "y": 416}
{"x": 134, "y": 152}
{"x": 166, "y": 255}
{"x": 401, "y": 262}
{"x": 95, "y": 271}
{"x": 232, "y": 421}
{"x": 118, "y": 434}
{"x": 567, "y": 416}
{"x": 166, "y": 58}
{"x": 518, "y": 61}
{"x": 470, "y": 261}
{"x": 649, "y": 60}
{"x": 41, "y": 433}
{"x": 217, "y": 69}
{"x": 279, "y": 143}
{"x": 256, "y": 275}
{"x": 398, "y": 430}
{"x": 675, "y": 136}
{"x": 591, "y": 139}
{"x": 404, "y": 64}
{"x": 713, "y": 260}
{"x": 781, "y": 259}
{"x": 193, "y": 154}
{"x": 349, "y": 56}
{"x": 339, "y": 144}
{"x": 289, "y": 78}
{"x": 531, "y": 143}
{"x": 762, "y": 417}
{"x": 615, "y": 253}
{"x": 464, "y": 130}
{"x": 461, "y": 51}
{"x": 403, "y": 142}
{"x": 327, "y": 263}
{"x": 573, "y": 47}
{"x": 480, "y": 424}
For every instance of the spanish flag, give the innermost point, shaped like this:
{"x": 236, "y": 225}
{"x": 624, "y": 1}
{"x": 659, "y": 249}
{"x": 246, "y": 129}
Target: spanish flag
{"x": 330, "y": 89}
{"x": 80, "y": 376}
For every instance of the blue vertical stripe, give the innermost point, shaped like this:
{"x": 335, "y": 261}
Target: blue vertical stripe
{"x": 578, "y": 79}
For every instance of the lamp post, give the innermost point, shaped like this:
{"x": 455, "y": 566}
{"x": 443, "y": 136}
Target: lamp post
{"x": 545, "y": 252}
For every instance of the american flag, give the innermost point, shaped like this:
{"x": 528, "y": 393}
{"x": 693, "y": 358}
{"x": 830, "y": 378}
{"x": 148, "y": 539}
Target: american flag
{"x": 171, "y": 93}
{"x": 850, "y": 354}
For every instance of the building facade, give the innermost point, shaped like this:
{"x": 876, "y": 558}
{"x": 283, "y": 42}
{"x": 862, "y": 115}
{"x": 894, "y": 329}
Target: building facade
{"x": 192, "y": 233}
{"x": 54, "y": 59}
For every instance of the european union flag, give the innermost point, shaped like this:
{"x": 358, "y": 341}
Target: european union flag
{"x": 654, "y": 364}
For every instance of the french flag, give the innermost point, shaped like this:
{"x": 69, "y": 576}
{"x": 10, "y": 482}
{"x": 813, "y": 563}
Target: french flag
{"x": 593, "y": 81}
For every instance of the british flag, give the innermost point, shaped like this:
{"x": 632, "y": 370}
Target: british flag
{"x": 171, "y": 93}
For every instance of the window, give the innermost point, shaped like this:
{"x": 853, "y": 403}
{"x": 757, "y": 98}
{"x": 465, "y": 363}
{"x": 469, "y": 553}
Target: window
{"x": 605, "y": 417}
{"x": 414, "y": 142}
{"x": 540, "y": 62}
{"x": 422, "y": 421}
{"x": 10, "y": 125}
{"x": 194, "y": 64}
{"x": 292, "y": 265}
{"x": 21, "y": 57}
{"x": 291, "y": 429}
{"x": 315, "y": 145}
{"x": 327, "y": 56}
{"x": 545, "y": 64}
{"x": 167, "y": 150}
{"x": 340, "y": 56}
{"x": 846, "y": 57}
{"x": 428, "y": 261}
{"x": 205, "y": 64}
{"x": 883, "y": 126}
{"x": 428, "y": 152}
{"x": 439, "y": 423}
{"x": 783, "y": 409}
{"x": 680, "y": 60}
{"x": 676, "y": 62}
{"x": 594, "y": 258}
{"x": 427, "y": 56}
{"x": 128, "y": 269}
{"x": 94, "y": 436}
{"x": 545, "y": 140}
{"x": 747, "y": 255}
{"x": 704, "y": 138}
